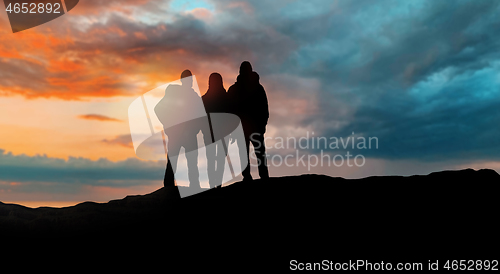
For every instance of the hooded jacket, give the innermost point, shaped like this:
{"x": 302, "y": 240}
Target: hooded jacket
{"x": 249, "y": 101}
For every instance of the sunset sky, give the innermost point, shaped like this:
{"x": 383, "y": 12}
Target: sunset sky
{"x": 421, "y": 76}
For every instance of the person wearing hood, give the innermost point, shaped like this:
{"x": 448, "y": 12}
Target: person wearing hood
{"x": 249, "y": 101}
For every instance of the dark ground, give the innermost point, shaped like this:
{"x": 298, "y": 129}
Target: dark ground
{"x": 309, "y": 216}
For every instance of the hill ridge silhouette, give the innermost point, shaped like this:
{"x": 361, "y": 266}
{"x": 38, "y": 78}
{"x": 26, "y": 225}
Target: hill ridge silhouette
{"x": 307, "y": 206}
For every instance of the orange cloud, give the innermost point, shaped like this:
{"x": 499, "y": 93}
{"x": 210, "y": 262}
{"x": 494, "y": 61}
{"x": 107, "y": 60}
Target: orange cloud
{"x": 98, "y": 50}
{"x": 98, "y": 117}
{"x": 140, "y": 35}
{"x": 65, "y": 65}
{"x": 201, "y": 13}
{"x": 124, "y": 140}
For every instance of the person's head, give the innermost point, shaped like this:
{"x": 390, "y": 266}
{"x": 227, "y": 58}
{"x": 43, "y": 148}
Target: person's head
{"x": 245, "y": 68}
{"x": 186, "y": 78}
{"x": 215, "y": 81}
{"x": 255, "y": 78}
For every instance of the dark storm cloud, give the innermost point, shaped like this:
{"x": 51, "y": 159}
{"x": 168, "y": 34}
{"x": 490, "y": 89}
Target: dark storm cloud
{"x": 420, "y": 76}
{"x": 373, "y": 42}
{"x": 185, "y": 33}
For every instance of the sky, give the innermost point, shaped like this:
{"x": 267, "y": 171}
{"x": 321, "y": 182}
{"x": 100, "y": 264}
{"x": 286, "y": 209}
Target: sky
{"x": 421, "y": 76}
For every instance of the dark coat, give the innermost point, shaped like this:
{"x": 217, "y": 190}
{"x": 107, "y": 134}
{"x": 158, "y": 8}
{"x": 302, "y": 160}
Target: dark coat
{"x": 216, "y": 100}
{"x": 180, "y": 112}
{"x": 249, "y": 101}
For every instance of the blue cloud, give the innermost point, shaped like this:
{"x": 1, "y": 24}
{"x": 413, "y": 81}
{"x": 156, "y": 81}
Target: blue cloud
{"x": 78, "y": 171}
{"x": 183, "y": 5}
{"x": 422, "y": 76}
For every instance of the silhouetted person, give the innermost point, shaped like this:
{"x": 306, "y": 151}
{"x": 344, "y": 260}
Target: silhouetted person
{"x": 215, "y": 101}
{"x": 182, "y": 114}
{"x": 249, "y": 102}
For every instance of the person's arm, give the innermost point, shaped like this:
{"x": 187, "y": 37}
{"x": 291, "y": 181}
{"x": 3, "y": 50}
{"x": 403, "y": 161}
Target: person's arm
{"x": 230, "y": 100}
{"x": 203, "y": 124}
{"x": 265, "y": 106}
{"x": 160, "y": 111}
